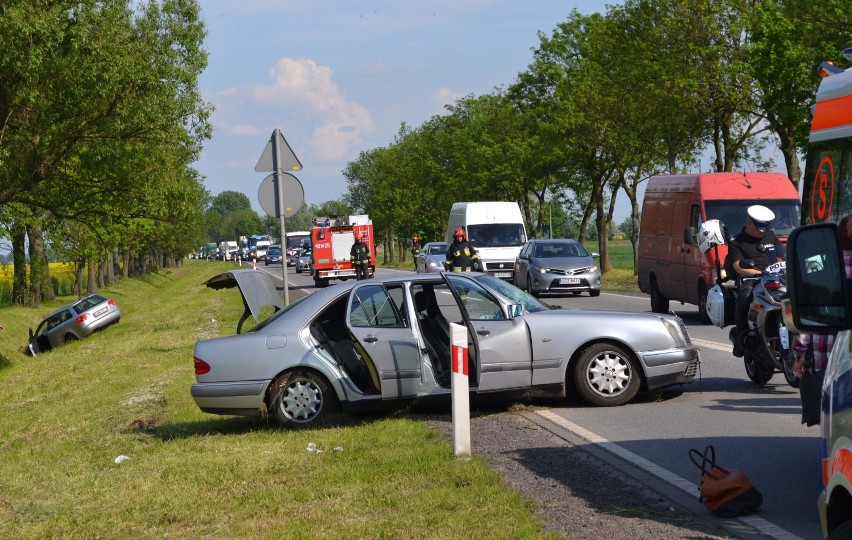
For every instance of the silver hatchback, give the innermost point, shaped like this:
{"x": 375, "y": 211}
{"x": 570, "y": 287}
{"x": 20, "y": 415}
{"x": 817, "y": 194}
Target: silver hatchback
{"x": 72, "y": 322}
{"x": 557, "y": 266}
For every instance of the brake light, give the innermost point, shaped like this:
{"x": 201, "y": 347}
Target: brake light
{"x": 201, "y": 367}
{"x": 772, "y": 284}
{"x": 82, "y": 318}
{"x": 111, "y": 302}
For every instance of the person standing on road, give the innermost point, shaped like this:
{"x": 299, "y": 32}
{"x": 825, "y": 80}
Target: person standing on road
{"x": 360, "y": 255}
{"x": 461, "y": 256}
{"x": 821, "y": 344}
{"x": 757, "y": 242}
{"x": 415, "y": 246}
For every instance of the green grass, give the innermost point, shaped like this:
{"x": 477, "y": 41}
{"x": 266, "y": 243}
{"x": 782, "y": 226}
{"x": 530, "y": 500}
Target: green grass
{"x": 67, "y": 414}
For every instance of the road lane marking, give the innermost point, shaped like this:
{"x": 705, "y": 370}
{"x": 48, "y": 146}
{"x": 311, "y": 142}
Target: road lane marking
{"x": 711, "y": 344}
{"x": 762, "y": 525}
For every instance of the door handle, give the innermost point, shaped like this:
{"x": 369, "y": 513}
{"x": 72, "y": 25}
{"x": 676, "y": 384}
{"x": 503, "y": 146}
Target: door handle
{"x": 483, "y": 332}
{"x": 371, "y": 338}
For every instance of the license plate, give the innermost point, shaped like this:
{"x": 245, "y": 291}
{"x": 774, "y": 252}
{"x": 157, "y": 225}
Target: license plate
{"x": 502, "y": 274}
{"x": 100, "y": 312}
{"x": 569, "y": 281}
{"x": 346, "y": 273}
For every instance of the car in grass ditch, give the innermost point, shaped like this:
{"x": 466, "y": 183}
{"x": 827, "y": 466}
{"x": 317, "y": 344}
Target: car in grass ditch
{"x": 431, "y": 258}
{"x": 557, "y": 266}
{"x": 363, "y": 343}
{"x": 77, "y": 320}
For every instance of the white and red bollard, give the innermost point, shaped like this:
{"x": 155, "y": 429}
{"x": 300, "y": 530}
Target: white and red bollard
{"x": 254, "y": 264}
{"x": 460, "y": 390}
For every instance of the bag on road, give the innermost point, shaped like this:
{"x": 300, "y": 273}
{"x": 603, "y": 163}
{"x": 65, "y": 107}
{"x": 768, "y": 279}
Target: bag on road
{"x": 726, "y": 493}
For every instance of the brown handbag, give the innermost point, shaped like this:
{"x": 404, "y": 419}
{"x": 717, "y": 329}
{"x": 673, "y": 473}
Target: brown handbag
{"x": 726, "y": 493}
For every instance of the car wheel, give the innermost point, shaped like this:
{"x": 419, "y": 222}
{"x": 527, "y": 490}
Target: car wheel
{"x": 300, "y": 399}
{"x": 529, "y": 286}
{"x": 702, "y": 304}
{"x": 788, "y": 359}
{"x": 606, "y": 375}
{"x": 594, "y": 292}
{"x": 69, "y": 338}
{"x": 756, "y": 372}
{"x": 659, "y": 303}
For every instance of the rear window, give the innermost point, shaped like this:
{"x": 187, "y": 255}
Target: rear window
{"x": 88, "y": 303}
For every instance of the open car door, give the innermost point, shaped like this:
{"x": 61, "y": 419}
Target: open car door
{"x": 383, "y": 336}
{"x": 503, "y": 355}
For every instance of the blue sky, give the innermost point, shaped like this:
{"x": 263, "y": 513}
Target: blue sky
{"x": 340, "y": 77}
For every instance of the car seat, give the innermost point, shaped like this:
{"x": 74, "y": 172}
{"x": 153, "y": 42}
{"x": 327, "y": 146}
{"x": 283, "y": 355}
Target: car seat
{"x": 436, "y": 333}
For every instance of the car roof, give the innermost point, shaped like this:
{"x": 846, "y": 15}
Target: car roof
{"x": 554, "y": 240}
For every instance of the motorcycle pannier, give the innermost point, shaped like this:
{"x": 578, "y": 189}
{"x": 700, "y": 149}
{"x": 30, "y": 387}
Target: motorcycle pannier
{"x": 721, "y": 304}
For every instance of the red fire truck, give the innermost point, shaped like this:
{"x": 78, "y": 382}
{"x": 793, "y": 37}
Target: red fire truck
{"x": 332, "y": 241}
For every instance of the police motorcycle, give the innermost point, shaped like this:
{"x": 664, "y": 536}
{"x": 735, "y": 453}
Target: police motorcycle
{"x": 767, "y": 343}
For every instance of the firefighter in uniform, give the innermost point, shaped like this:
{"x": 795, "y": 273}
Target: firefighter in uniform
{"x": 415, "y": 246}
{"x": 360, "y": 255}
{"x": 461, "y": 256}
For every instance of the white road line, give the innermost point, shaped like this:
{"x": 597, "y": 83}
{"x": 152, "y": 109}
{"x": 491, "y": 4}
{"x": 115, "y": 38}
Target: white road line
{"x": 711, "y": 344}
{"x": 760, "y": 524}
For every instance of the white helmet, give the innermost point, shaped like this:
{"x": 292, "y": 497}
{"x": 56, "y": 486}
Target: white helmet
{"x": 710, "y": 234}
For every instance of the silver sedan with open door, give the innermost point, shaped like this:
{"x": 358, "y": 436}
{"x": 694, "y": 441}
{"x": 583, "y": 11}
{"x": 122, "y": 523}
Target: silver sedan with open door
{"x": 364, "y": 343}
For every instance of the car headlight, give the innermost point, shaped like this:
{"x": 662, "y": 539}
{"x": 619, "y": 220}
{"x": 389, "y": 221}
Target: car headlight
{"x": 674, "y": 332}
{"x": 433, "y": 263}
{"x": 543, "y": 270}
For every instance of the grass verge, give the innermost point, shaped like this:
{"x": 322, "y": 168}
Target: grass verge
{"x": 68, "y": 414}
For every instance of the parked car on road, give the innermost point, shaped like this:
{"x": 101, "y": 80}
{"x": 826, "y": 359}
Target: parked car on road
{"x": 364, "y": 343}
{"x": 77, "y": 320}
{"x": 303, "y": 261}
{"x": 273, "y": 255}
{"x": 431, "y": 257}
{"x": 557, "y": 266}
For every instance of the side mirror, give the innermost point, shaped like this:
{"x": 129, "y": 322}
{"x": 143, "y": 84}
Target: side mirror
{"x": 594, "y": 254}
{"x": 816, "y": 277}
{"x": 516, "y": 310}
{"x": 689, "y": 236}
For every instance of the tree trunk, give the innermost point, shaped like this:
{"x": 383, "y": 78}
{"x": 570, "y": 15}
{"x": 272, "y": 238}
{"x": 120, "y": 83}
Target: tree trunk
{"x": 20, "y": 294}
{"x": 39, "y": 268}
{"x": 110, "y": 268}
{"x": 92, "y": 273}
{"x": 125, "y": 271}
{"x": 102, "y": 271}
{"x": 791, "y": 158}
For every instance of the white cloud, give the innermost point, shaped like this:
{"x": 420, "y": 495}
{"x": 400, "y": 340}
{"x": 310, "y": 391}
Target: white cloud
{"x": 445, "y": 96}
{"x": 309, "y": 92}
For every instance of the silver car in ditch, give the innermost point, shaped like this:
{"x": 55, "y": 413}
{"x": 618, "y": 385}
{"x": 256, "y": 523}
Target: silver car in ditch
{"x": 77, "y": 320}
{"x": 362, "y": 343}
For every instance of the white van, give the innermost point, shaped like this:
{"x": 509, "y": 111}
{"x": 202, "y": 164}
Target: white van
{"x": 496, "y": 230}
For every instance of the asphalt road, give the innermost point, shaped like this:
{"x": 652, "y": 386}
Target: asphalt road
{"x": 755, "y": 429}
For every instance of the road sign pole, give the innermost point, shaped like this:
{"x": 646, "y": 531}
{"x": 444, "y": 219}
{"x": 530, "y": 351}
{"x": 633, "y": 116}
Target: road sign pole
{"x": 460, "y": 388}
{"x": 279, "y": 209}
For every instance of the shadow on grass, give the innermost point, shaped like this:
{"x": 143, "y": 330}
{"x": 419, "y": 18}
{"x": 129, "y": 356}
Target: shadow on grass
{"x": 4, "y": 362}
{"x": 238, "y": 425}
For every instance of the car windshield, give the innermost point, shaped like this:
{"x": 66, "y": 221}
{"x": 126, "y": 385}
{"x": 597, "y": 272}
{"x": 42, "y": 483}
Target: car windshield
{"x": 733, "y": 213}
{"x": 496, "y": 234}
{"x": 513, "y": 294}
{"x": 437, "y": 249}
{"x": 274, "y": 316}
{"x": 549, "y": 250}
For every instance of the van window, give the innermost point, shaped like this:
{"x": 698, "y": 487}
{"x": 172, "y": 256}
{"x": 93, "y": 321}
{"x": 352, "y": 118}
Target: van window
{"x": 734, "y": 213}
{"x": 496, "y": 234}
{"x": 695, "y": 219}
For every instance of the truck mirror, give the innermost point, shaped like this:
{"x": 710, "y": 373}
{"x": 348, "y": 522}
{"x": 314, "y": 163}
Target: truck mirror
{"x": 816, "y": 277}
{"x": 689, "y": 236}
